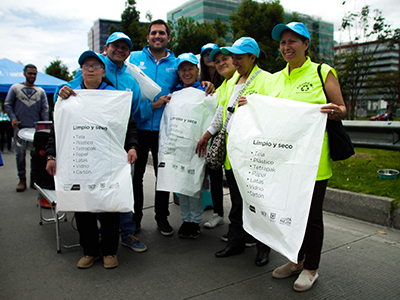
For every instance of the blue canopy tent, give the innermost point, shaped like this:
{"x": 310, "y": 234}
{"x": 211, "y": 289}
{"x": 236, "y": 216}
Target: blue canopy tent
{"x": 12, "y": 72}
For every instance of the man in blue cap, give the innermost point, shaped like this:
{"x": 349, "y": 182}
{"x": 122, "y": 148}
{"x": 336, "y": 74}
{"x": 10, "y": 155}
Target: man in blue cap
{"x": 117, "y": 50}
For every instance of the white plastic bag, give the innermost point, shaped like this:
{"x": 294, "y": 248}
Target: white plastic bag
{"x": 93, "y": 173}
{"x": 148, "y": 88}
{"x": 274, "y": 147}
{"x": 184, "y": 121}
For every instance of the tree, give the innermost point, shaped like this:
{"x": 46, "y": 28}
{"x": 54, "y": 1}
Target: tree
{"x": 257, "y": 20}
{"x": 59, "y": 70}
{"x": 353, "y": 63}
{"x": 131, "y": 26}
{"x": 189, "y": 36}
{"x": 220, "y": 27}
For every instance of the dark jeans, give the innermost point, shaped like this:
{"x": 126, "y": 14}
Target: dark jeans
{"x": 237, "y": 236}
{"x": 89, "y": 233}
{"x": 217, "y": 194}
{"x": 314, "y": 236}
{"x": 148, "y": 140}
{"x": 20, "y": 154}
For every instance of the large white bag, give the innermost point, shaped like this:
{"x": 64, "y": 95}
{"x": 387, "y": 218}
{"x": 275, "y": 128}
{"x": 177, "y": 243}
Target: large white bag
{"x": 148, "y": 88}
{"x": 185, "y": 119}
{"x": 274, "y": 147}
{"x": 93, "y": 173}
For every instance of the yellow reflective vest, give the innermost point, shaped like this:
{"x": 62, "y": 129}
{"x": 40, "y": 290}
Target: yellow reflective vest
{"x": 303, "y": 84}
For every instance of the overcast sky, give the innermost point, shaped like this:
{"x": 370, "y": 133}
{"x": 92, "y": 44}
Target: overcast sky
{"x": 42, "y": 30}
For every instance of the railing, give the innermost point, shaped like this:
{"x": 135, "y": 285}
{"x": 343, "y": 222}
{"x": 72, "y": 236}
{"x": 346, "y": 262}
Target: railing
{"x": 374, "y": 134}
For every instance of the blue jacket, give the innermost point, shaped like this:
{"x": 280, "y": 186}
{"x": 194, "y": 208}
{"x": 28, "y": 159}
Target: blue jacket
{"x": 164, "y": 75}
{"x": 120, "y": 78}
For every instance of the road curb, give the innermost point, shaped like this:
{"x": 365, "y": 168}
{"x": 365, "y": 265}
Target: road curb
{"x": 369, "y": 208}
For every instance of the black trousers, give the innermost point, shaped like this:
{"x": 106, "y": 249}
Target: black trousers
{"x": 313, "y": 239}
{"x": 6, "y": 128}
{"x": 237, "y": 236}
{"x": 148, "y": 141}
{"x": 89, "y": 233}
{"x": 217, "y": 194}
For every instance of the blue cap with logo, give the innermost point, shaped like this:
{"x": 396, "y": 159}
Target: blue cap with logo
{"x": 209, "y": 46}
{"x": 242, "y": 46}
{"x": 90, "y": 53}
{"x": 297, "y": 27}
{"x": 189, "y": 57}
{"x": 119, "y": 36}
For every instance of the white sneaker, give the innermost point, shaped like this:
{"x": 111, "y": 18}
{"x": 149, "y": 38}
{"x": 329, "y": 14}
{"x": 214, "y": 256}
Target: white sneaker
{"x": 214, "y": 221}
{"x": 305, "y": 281}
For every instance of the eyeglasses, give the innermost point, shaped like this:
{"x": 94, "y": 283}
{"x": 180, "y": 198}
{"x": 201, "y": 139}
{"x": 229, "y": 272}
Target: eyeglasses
{"x": 95, "y": 67}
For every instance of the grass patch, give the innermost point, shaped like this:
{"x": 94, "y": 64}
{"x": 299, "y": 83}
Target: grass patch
{"x": 359, "y": 173}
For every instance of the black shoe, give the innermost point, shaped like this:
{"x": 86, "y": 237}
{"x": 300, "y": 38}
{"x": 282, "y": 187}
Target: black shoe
{"x": 229, "y": 251}
{"x": 262, "y": 257}
{"x": 194, "y": 231}
{"x": 184, "y": 231}
{"x": 165, "y": 228}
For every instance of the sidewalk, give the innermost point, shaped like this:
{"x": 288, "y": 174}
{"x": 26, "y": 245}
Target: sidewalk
{"x": 358, "y": 262}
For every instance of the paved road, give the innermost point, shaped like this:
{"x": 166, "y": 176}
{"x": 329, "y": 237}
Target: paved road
{"x": 357, "y": 262}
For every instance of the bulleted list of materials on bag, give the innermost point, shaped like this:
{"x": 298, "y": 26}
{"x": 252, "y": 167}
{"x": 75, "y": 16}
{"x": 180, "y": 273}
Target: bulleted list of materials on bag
{"x": 85, "y": 153}
{"x": 264, "y": 164}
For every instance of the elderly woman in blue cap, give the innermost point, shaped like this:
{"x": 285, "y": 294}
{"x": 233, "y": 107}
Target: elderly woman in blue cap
{"x": 93, "y": 74}
{"x": 295, "y": 41}
{"x": 190, "y": 207}
{"x": 248, "y": 79}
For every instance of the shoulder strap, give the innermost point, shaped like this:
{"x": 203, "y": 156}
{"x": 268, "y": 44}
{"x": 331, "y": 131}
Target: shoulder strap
{"x": 231, "y": 109}
{"x": 322, "y": 81}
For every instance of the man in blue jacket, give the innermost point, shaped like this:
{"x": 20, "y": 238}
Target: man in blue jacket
{"x": 117, "y": 50}
{"x": 157, "y": 62}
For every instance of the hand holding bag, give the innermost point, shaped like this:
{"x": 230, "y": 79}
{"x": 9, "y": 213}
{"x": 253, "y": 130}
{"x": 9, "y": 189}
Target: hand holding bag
{"x": 340, "y": 143}
{"x": 215, "y": 156}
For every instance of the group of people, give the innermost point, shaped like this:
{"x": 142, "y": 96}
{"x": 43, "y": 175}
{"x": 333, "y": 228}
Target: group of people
{"x": 233, "y": 71}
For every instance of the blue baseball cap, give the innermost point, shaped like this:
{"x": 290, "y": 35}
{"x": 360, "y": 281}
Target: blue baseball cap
{"x": 242, "y": 46}
{"x": 213, "y": 53}
{"x": 297, "y": 27}
{"x": 90, "y": 53}
{"x": 119, "y": 36}
{"x": 209, "y": 46}
{"x": 190, "y": 57}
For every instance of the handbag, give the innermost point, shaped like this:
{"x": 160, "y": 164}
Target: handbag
{"x": 216, "y": 154}
{"x": 340, "y": 143}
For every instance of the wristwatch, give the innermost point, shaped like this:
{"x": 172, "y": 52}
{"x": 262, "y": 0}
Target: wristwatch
{"x": 49, "y": 157}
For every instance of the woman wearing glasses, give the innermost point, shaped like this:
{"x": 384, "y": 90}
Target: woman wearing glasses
{"x": 93, "y": 73}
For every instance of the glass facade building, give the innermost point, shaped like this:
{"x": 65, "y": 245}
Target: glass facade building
{"x": 99, "y": 33}
{"x": 206, "y": 10}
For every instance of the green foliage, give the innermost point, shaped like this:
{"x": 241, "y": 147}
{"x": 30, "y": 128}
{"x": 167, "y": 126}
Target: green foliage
{"x": 256, "y": 20}
{"x": 59, "y": 70}
{"x": 189, "y": 36}
{"x": 359, "y": 173}
{"x": 130, "y": 25}
{"x": 353, "y": 63}
{"x": 221, "y": 28}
